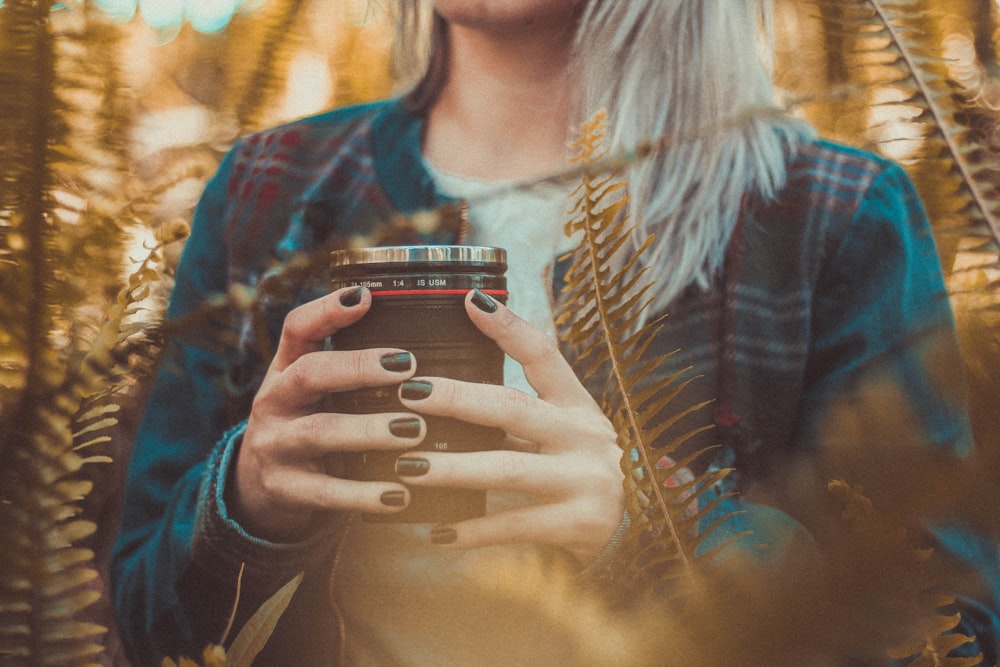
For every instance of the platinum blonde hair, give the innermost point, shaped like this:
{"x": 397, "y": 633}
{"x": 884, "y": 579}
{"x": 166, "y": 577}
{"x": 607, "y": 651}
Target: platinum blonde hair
{"x": 690, "y": 78}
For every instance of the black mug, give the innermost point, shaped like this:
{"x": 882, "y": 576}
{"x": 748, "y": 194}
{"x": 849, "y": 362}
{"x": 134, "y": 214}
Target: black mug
{"x": 418, "y": 295}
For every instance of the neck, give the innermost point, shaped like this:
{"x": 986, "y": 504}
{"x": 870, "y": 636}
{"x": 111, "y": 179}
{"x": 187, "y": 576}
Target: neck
{"x": 504, "y": 110}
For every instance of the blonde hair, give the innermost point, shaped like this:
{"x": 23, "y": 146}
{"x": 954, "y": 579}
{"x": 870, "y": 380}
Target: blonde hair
{"x": 692, "y": 74}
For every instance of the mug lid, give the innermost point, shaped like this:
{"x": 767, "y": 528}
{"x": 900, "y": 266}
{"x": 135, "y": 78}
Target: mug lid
{"x": 419, "y": 254}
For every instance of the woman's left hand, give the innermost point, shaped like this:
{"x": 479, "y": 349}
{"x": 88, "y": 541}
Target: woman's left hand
{"x": 561, "y": 449}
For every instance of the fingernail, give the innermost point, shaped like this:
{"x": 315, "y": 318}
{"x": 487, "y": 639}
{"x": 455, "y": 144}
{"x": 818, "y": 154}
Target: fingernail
{"x": 415, "y": 390}
{"x": 397, "y": 363}
{"x": 483, "y": 302}
{"x": 411, "y": 466}
{"x": 393, "y": 498}
{"x": 405, "y": 427}
{"x": 351, "y": 297}
{"x": 443, "y": 535}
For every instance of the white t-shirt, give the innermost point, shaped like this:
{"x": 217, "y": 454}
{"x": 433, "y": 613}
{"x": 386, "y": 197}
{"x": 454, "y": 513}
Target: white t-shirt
{"x": 405, "y": 601}
{"x": 529, "y": 225}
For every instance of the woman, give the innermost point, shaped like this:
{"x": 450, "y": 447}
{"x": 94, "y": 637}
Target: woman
{"x": 760, "y": 263}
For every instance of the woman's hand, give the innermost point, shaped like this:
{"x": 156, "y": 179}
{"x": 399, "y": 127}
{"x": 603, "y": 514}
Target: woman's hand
{"x": 562, "y": 449}
{"x": 281, "y": 476}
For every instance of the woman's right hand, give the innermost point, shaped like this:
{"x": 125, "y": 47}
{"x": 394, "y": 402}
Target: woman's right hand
{"x": 281, "y": 478}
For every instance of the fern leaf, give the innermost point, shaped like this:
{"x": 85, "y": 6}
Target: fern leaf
{"x": 267, "y": 78}
{"x": 35, "y": 449}
{"x": 62, "y": 155}
{"x": 916, "y": 626}
{"x": 258, "y": 629}
{"x": 953, "y": 168}
{"x": 604, "y": 296}
{"x": 933, "y": 649}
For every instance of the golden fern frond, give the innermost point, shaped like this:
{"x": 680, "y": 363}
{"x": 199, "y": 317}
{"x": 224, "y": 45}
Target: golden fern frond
{"x": 210, "y": 325}
{"x": 364, "y": 67}
{"x": 61, "y": 249}
{"x": 252, "y": 637}
{"x": 916, "y": 102}
{"x": 128, "y": 345}
{"x": 906, "y": 593}
{"x": 934, "y": 649}
{"x": 601, "y": 310}
{"x": 268, "y": 74}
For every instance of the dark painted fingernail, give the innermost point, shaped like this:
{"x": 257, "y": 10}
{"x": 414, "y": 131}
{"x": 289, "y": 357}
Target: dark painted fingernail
{"x": 443, "y": 535}
{"x": 351, "y": 297}
{"x": 397, "y": 363}
{"x": 405, "y": 427}
{"x": 483, "y": 302}
{"x": 415, "y": 390}
{"x": 393, "y": 498}
{"x": 411, "y": 466}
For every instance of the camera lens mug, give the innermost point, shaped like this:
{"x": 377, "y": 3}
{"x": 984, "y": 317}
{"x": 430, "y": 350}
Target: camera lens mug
{"x": 418, "y": 305}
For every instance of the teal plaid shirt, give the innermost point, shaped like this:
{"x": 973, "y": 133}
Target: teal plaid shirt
{"x": 830, "y": 292}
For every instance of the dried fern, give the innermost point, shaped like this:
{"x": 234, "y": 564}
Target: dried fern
{"x": 957, "y": 174}
{"x": 890, "y": 48}
{"x": 252, "y": 637}
{"x": 60, "y": 243}
{"x": 364, "y": 67}
{"x": 603, "y": 302}
{"x": 905, "y": 591}
{"x": 267, "y": 76}
{"x": 44, "y": 580}
{"x": 127, "y": 347}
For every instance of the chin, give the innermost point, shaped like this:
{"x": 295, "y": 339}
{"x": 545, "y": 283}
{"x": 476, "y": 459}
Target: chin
{"x": 509, "y": 14}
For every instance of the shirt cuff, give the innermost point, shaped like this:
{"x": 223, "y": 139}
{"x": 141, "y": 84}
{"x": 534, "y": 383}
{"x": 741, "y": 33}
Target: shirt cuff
{"x": 222, "y": 545}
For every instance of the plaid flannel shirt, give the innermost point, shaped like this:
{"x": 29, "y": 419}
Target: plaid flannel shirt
{"x": 835, "y": 276}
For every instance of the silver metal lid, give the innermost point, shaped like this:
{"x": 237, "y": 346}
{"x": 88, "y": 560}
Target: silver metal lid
{"x": 419, "y": 254}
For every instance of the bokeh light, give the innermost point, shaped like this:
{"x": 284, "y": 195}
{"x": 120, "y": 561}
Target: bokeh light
{"x": 165, "y": 15}
{"x": 119, "y": 10}
{"x": 309, "y": 87}
{"x": 162, "y": 14}
{"x": 210, "y": 15}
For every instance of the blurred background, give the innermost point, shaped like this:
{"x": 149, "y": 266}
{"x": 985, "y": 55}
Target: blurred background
{"x": 197, "y": 73}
